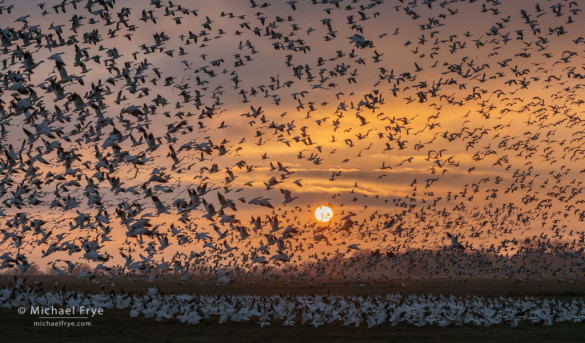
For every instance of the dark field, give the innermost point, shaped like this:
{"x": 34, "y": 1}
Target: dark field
{"x": 117, "y": 326}
{"x": 476, "y": 286}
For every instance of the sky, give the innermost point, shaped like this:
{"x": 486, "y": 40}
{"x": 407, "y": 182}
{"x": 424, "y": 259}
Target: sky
{"x": 410, "y": 120}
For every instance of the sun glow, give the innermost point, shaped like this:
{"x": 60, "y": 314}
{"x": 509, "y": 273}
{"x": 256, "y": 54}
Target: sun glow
{"x": 323, "y": 214}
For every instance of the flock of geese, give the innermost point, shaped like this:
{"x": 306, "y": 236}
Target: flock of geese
{"x": 314, "y": 310}
{"x": 159, "y": 138}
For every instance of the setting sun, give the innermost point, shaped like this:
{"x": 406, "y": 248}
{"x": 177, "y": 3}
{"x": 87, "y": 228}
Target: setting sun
{"x": 323, "y": 214}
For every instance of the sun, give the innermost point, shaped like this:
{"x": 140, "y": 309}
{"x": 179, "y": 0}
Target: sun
{"x": 323, "y": 214}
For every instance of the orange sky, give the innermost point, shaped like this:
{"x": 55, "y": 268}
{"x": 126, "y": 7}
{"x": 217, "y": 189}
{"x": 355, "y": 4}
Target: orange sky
{"x": 483, "y": 134}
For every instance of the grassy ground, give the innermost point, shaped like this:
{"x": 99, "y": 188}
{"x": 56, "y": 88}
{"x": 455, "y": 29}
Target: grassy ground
{"x": 476, "y": 286}
{"x": 116, "y": 326}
